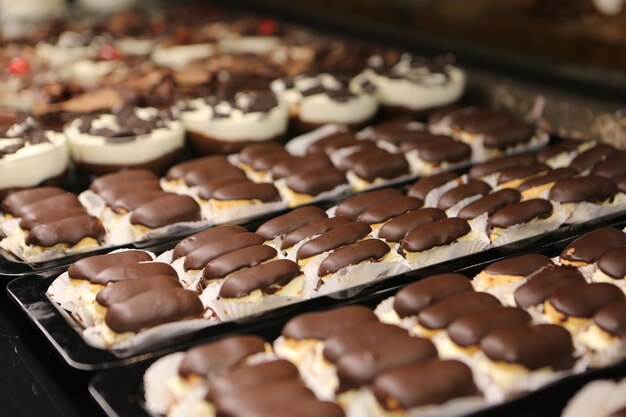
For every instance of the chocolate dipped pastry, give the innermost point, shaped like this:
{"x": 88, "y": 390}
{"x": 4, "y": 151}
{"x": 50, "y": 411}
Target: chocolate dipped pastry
{"x": 614, "y": 167}
{"x": 522, "y": 220}
{"x": 193, "y": 242}
{"x": 574, "y": 307}
{"x": 588, "y": 248}
{"x": 430, "y": 188}
{"x": 295, "y": 239}
{"x": 227, "y": 124}
{"x": 378, "y": 214}
{"x": 427, "y": 384}
{"x": 259, "y": 288}
{"x": 128, "y": 137}
{"x": 238, "y": 200}
{"x": 301, "y": 335}
{"x": 512, "y": 355}
{"x": 324, "y": 98}
{"x": 606, "y": 335}
{"x": 293, "y": 165}
{"x": 432, "y": 156}
{"x": 283, "y": 225}
{"x": 376, "y": 168}
{"x": 186, "y": 177}
{"x": 489, "y": 171}
{"x": 562, "y": 153}
{"x": 611, "y": 267}
{"x": 30, "y": 155}
{"x": 394, "y": 130}
{"x": 587, "y": 198}
{"x": 345, "y": 234}
{"x": 439, "y": 241}
{"x": 413, "y": 84}
{"x": 258, "y": 160}
{"x": 394, "y": 230}
{"x": 540, "y": 186}
{"x": 304, "y": 187}
{"x": 587, "y": 160}
{"x": 353, "y": 207}
{"x": 404, "y": 308}
{"x": 510, "y": 271}
{"x": 455, "y": 199}
{"x": 489, "y": 203}
{"x": 330, "y": 140}
{"x": 513, "y": 177}
{"x": 545, "y": 282}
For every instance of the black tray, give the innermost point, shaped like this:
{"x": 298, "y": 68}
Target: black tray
{"x": 61, "y": 331}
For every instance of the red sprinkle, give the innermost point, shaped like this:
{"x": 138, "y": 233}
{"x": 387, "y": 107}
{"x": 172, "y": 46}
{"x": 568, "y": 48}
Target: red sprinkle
{"x": 182, "y": 36}
{"x": 109, "y": 53}
{"x": 267, "y": 27}
{"x": 18, "y": 66}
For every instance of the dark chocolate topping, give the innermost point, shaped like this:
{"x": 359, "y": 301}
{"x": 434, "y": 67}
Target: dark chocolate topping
{"x": 322, "y": 325}
{"x": 584, "y": 300}
{"x": 461, "y": 192}
{"x": 208, "y": 189}
{"x": 69, "y": 230}
{"x": 440, "y": 315}
{"x": 451, "y": 112}
{"x": 236, "y": 260}
{"x": 520, "y": 213}
{"x": 287, "y": 223}
{"x": 567, "y": 145}
{"x": 121, "y": 291}
{"x": 518, "y": 173}
{"x": 132, "y": 201}
{"x": 252, "y": 152}
{"x": 354, "y": 206}
{"x": 423, "y": 186}
{"x": 89, "y": 268}
{"x": 469, "y": 329}
{"x": 389, "y": 129}
{"x": 199, "y": 176}
{"x": 590, "y": 188}
{"x": 545, "y": 282}
{"x": 439, "y": 233}
{"x": 180, "y": 170}
{"x": 612, "y": 318}
{"x": 214, "y": 358}
{"x": 248, "y": 377}
{"x": 412, "y": 299}
{"x": 519, "y": 266}
{"x": 316, "y": 181}
{"x": 152, "y": 308}
{"x": 47, "y": 215}
{"x": 407, "y": 139}
{"x": 20, "y": 198}
{"x": 317, "y": 228}
{"x": 590, "y": 246}
{"x": 364, "y": 150}
{"x": 386, "y": 210}
{"x": 613, "y": 262}
{"x": 618, "y": 413}
{"x": 167, "y": 210}
{"x": 115, "y": 192}
{"x": 534, "y": 347}
{"x": 265, "y": 162}
{"x": 397, "y": 228}
{"x": 548, "y": 177}
{"x": 213, "y": 249}
{"x": 131, "y": 271}
{"x": 295, "y": 164}
{"x": 511, "y": 134}
{"x": 197, "y": 240}
{"x": 268, "y": 277}
{"x": 415, "y": 140}
{"x": 264, "y": 192}
{"x": 362, "y": 366}
{"x": 490, "y": 203}
{"x": 358, "y": 337}
{"x": 334, "y": 142}
{"x": 429, "y": 383}
{"x": 123, "y": 177}
{"x": 444, "y": 151}
{"x": 55, "y": 202}
{"x": 369, "y": 249}
{"x": 333, "y": 239}
{"x": 497, "y": 165}
{"x": 591, "y": 157}
{"x": 614, "y": 167}
{"x": 386, "y": 166}
{"x": 483, "y": 120}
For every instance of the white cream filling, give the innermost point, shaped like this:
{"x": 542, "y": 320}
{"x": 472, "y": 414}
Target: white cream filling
{"x": 88, "y": 148}
{"x": 320, "y": 108}
{"x": 418, "y": 96}
{"x": 239, "y": 126}
{"x": 33, "y": 164}
{"x": 257, "y": 45}
{"x": 86, "y": 72}
{"x": 135, "y": 46}
{"x": 179, "y": 56}
{"x": 57, "y": 55}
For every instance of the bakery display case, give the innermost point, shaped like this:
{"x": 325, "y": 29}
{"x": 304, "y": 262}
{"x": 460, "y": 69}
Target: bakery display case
{"x": 372, "y": 208}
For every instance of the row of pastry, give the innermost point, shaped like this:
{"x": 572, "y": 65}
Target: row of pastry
{"x": 446, "y": 345}
{"x": 328, "y": 163}
{"x": 309, "y": 252}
